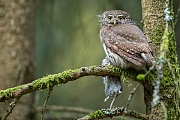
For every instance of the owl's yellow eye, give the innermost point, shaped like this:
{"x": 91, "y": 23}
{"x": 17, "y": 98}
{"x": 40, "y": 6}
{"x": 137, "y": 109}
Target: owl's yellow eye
{"x": 109, "y": 17}
{"x": 121, "y": 17}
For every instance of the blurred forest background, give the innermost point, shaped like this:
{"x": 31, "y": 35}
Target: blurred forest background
{"x": 67, "y": 37}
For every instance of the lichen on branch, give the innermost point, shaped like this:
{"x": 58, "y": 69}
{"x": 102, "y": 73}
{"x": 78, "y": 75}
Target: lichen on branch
{"x": 62, "y": 78}
{"x": 116, "y": 111}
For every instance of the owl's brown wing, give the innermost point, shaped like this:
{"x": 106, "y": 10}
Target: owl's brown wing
{"x": 130, "y": 46}
{"x": 138, "y": 54}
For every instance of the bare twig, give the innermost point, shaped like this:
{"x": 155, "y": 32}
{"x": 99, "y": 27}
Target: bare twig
{"x": 131, "y": 95}
{"x": 12, "y": 105}
{"x": 45, "y": 103}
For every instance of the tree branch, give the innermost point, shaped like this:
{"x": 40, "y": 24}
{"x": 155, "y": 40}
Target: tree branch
{"x": 62, "y": 78}
{"x": 117, "y": 111}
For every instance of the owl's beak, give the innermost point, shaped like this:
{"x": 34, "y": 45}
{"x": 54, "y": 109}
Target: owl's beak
{"x": 115, "y": 22}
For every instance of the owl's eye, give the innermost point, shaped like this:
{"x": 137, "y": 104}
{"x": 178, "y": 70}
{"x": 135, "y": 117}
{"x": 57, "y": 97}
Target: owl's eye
{"x": 121, "y": 17}
{"x": 109, "y": 17}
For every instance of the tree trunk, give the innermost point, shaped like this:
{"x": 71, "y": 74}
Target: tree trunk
{"x": 154, "y": 26}
{"x": 17, "y": 52}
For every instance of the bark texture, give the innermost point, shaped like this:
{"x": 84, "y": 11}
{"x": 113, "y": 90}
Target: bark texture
{"x": 153, "y": 23}
{"x": 17, "y": 52}
{"x": 154, "y": 27}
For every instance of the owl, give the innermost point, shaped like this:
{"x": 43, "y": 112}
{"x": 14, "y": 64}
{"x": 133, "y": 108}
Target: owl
{"x": 125, "y": 45}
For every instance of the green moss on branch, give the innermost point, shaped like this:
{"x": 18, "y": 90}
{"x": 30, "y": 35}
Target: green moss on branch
{"x": 62, "y": 78}
{"x": 110, "y": 113}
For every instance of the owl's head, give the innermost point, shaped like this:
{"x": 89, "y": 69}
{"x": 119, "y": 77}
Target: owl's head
{"x": 114, "y": 17}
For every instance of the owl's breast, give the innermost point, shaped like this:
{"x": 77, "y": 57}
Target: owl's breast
{"x": 114, "y": 58}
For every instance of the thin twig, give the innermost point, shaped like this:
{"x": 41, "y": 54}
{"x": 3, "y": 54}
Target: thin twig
{"x": 12, "y": 105}
{"x": 131, "y": 95}
{"x": 45, "y": 103}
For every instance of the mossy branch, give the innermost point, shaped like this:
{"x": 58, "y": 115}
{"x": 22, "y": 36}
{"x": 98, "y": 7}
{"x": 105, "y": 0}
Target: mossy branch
{"x": 109, "y": 113}
{"x": 62, "y": 78}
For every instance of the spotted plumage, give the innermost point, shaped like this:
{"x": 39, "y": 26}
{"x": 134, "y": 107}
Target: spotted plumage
{"x": 125, "y": 46}
{"x": 124, "y": 39}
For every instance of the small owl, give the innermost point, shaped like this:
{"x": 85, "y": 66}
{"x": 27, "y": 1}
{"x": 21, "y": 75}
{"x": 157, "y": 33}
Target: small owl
{"x": 124, "y": 43}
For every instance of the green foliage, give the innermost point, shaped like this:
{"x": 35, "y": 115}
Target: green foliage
{"x": 95, "y": 115}
{"x": 140, "y": 77}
